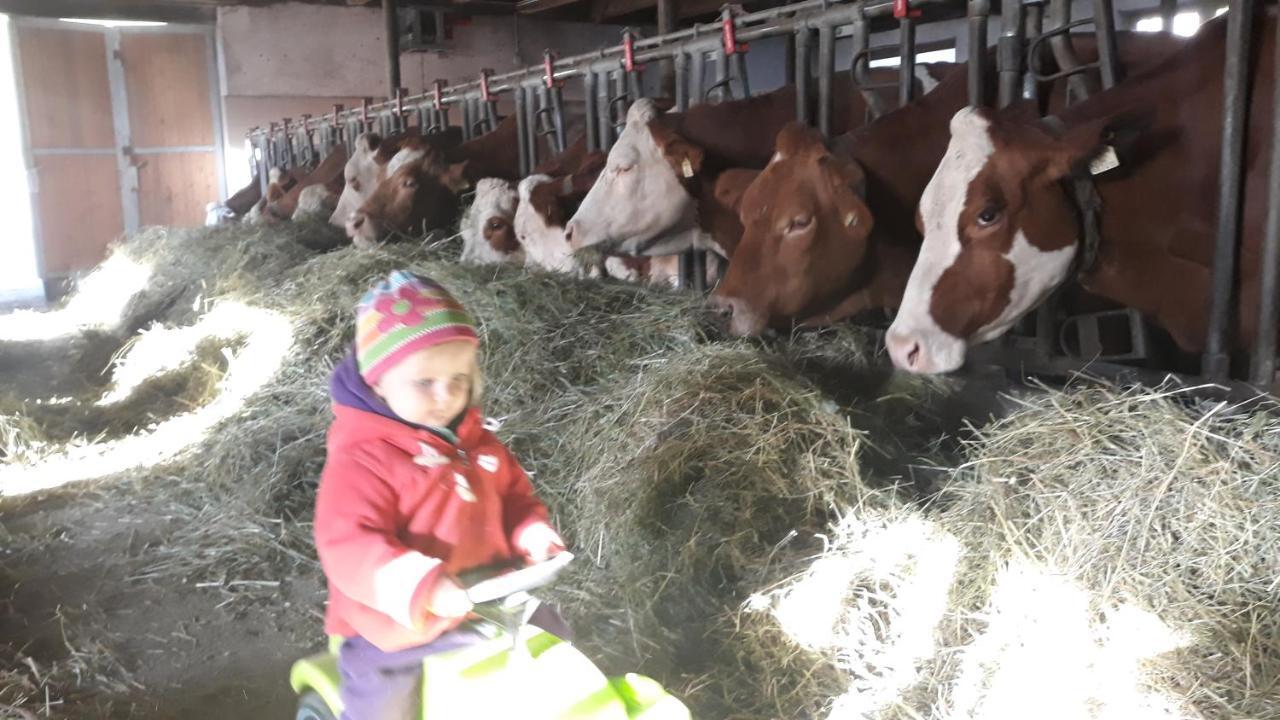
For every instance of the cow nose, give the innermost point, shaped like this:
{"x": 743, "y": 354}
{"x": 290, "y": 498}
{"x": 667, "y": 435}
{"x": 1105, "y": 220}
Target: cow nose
{"x": 568, "y": 234}
{"x": 357, "y": 221}
{"x": 721, "y": 305}
{"x": 905, "y": 351}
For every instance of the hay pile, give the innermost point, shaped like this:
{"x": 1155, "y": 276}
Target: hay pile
{"x": 744, "y": 514}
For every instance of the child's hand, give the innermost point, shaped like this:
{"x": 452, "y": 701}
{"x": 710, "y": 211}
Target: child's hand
{"x": 448, "y": 599}
{"x": 539, "y": 542}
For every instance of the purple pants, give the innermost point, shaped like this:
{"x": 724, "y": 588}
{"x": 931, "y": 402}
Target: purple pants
{"x": 377, "y": 685}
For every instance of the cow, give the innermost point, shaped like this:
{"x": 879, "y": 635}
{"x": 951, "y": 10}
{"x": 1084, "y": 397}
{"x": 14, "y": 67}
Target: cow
{"x": 420, "y": 183}
{"x": 646, "y": 199}
{"x": 488, "y": 234}
{"x": 1002, "y": 229}
{"x": 830, "y": 228}
{"x": 328, "y": 174}
{"x": 367, "y": 165}
{"x": 279, "y": 182}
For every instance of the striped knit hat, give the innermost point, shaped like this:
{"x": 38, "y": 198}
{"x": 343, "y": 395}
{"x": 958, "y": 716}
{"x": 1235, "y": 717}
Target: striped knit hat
{"x": 403, "y": 314}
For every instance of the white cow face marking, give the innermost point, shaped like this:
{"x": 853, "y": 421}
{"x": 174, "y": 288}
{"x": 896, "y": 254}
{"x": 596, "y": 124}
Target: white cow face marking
{"x": 540, "y": 227}
{"x": 487, "y": 227}
{"x": 978, "y": 271}
{"x": 640, "y": 196}
{"x": 362, "y": 173}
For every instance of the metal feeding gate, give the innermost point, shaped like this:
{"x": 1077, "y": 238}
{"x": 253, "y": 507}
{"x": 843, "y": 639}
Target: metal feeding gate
{"x": 612, "y": 79}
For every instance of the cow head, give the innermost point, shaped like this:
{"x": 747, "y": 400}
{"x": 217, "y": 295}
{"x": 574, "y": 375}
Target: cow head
{"x": 999, "y": 236}
{"x": 488, "y": 234}
{"x": 315, "y": 202}
{"x": 363, "y": 171}
{"x": 805, "y": 228}
{"x": 641, "y": 196}
{"x": 410, "y": 199}
{"x": 540, "y": 219}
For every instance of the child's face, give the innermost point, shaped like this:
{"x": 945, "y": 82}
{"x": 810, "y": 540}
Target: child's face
{"x": 431, "y": 386}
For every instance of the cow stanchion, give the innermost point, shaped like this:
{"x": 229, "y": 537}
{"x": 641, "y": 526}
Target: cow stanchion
{"x": 979, "y": 11}
{"x": 552, "y": 92}
{"x": 906, "y": 18}
{"x": 826, "y": 69}
{"x": 682, "y": 81}
{"x": 468, "y": 119}
{"x": 1262, "y": 371}
{"x": 801, "y": 41}
{"x": 488, "y": 103}
{"x": 524, "y": 132}
{"x": 604, "y": 108}
{"x": 1216, "y": 363}
{"x": 1009, "y": 52}
{"x": 590, "y": 99}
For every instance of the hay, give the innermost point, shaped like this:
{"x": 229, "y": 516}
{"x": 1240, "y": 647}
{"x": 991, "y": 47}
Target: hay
{"x": 743, "y": 510}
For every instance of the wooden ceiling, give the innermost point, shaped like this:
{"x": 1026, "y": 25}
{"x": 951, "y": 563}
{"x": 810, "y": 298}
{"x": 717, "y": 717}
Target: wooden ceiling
{"x": 598, "y": 11}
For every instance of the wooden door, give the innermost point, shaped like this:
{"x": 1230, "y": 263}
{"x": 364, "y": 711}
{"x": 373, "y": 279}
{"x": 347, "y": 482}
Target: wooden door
{"x": 75, "y": 178}
{"x": 173, "y": 141}
{"x": 121, "y": 131}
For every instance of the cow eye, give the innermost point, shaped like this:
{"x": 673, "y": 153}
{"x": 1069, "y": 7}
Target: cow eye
{"x": 799, "y": 223}
{"x": 496, "y": 223}
{"x": 988, "y": 217}
{"x": 409, "y": 183}
{"x": 355, "y": 185}
{"x": 624, "y": 169}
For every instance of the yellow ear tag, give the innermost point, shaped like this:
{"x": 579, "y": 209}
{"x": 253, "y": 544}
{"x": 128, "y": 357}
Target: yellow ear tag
{"x": 851, "y": 219}
{"x": 687, "y": 167}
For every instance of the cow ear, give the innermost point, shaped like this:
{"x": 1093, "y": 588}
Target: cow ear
{"x": 848, "y": 189}
{"x": 796, "y": 139}
{"x": 454, "y": 177}
{"x": 274, "y": 193}
{"x": 683, "y": 155}
{"x": 732, "y": 185}
{"x": 1096, "y": 147}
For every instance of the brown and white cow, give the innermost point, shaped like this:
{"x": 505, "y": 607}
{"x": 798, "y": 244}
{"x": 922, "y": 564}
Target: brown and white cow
{"x": 1001, "y": 231}
{"x": 808, "y": 255}
{"x": 370, "y": 156}
{"x": 488, "y": 234}
{"x": 328, "y": 174}
{"x": 646, "y": 201}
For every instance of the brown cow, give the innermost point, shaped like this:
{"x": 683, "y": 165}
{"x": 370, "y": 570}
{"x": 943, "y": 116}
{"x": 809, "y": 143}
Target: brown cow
{"x": 809, "y": 254}
{"x": 329, "y": 174}
{"x": 369, "y": 159}
{"x": 1001, "y": 231}
{"x": 645, "y": 202}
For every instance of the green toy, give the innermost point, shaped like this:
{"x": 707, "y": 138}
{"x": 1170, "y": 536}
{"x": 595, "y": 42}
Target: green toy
{"x": 517, "y": 671}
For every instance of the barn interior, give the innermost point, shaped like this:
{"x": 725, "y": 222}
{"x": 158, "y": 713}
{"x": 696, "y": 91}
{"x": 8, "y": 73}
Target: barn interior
{"x": 1076, "y": 524}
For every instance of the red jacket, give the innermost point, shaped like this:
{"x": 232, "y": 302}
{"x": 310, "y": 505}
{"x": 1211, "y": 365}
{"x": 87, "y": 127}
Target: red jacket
{"x": 399, "y": 506}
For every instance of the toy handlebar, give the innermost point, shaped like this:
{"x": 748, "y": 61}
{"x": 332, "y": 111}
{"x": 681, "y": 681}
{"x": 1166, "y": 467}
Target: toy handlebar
{"x": 492, "y": 583}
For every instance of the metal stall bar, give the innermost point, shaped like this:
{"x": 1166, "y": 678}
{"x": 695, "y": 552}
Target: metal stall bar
{"x": 604, "y": 109}
{"x": 488, "y": 103}
{"x": 826, "y": 68}
{"x": 1009, "y": 51}
{"x": 906, "y": 50}
{"x": 1216, "y": 363}
{"x": 1262, "y": 372}
{"x": 1034, "y": 27}
{"x": 631, "y": 70}
{"x": 803, "y": 39}
{"x": 682, "y": 82}
{"x": 468, "y": 122}
{"x": 592, "y": 117}
{"x": 1105, "y": 28}
{"x": 979, "y": 11}
{"x": 553, "y": 91}
{"x": 524, "y": 132}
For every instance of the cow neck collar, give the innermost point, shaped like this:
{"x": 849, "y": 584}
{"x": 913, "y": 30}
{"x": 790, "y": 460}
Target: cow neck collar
{"x": 1088, "y": 203}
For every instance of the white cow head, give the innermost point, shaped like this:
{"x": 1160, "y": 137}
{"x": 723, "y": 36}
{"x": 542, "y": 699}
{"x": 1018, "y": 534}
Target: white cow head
{"x": 540, "y": 227}
{"x": 487, "y": 232}
{"x": 640, "y": 204}
{"x": 999, "y": 235}
{"x": 364, "y": 170}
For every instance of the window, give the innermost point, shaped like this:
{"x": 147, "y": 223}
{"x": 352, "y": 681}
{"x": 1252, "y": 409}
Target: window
{"x": 945, "y": 55}
{"x": 1184, "y": 23}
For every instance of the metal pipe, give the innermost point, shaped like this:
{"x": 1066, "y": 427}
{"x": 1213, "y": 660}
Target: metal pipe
{"x": 979, "y": 10}
{"x": 826, "y": 68}
{"x": 523, "y": 139}
{"x": 1105, "y": 28}
{"x": 1216, "y": 364}
{"x": 392, "y": 26}
{"x": 1263, "y": 370}
{"x": 699, "y": 263}
{"x": 620, "y": 100}
{"x": 738, "y": 69}
{"x": 682, "y": 82}
{"x": 603, "y": 111}
{"x": 861, "y": 66}
{"x": 1009, "y": 51}
{"x": 592, "y": 119}
{"x": 801, "y": 79}
{"x": 1035, "y": 23}
{"x": 697, "y": 69}
{"x": 906, "y": 60}
{"x": 532, "y": 96}
{"x": 467, "y": 119}
{"x": 1079, "y": 85}
{"x": 666, "y": 69}
{"x": 772, "y": 22}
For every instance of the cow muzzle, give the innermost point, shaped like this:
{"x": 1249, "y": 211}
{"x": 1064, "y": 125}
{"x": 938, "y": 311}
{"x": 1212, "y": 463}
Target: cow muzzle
{"x": 362, "y": 230}
{"x": 741, "y": 320}
{"x": 924, "y": 354}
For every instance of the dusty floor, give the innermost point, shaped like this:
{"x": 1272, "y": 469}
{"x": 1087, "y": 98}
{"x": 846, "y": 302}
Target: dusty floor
{"x": 178, "y": 652}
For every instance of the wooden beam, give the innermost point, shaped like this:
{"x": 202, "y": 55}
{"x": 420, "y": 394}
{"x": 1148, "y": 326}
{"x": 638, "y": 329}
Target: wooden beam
{"x": 528, "y": 7}
{"x": 123, "y": 10}
{"x": 602, "y": 10}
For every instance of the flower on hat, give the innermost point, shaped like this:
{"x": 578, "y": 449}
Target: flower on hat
{"x": 407, "y": 307}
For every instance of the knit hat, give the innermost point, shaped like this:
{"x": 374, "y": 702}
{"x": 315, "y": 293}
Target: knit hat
{"x": 404, "y": 314}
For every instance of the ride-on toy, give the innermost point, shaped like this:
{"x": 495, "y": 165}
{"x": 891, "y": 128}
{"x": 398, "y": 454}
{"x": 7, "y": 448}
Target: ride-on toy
{"x": 516, "y": 671}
